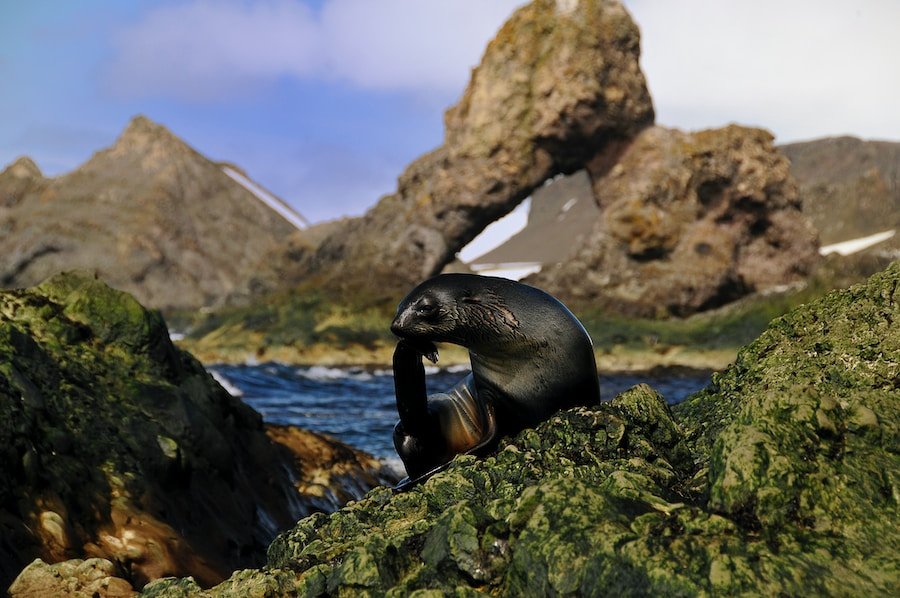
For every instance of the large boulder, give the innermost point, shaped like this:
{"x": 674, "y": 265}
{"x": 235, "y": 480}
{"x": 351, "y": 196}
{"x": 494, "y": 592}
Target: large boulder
{"x": 116, "y": 444}
{"x": 559, "y": 82}
{"x": 689, "y": 221}
{"x": 781, "y": 478}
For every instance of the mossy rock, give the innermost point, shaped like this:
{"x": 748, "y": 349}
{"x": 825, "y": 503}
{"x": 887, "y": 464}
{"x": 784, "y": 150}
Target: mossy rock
{"x": 115, "y": 443}
{"x": 780, "y": 478}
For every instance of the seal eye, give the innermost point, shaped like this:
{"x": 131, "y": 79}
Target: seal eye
{"x": 426, "y": 308}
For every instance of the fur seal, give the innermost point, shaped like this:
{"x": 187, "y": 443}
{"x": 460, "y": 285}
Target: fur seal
{"x": 530, "y": 357}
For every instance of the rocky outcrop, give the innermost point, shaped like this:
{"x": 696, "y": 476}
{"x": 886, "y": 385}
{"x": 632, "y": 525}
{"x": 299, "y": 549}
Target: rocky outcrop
{"x": 150, "y": 215}
{"x": 850, "y": 187}
{"x": 115, "y": 444}
{"x": 688, "y": 221}
{"x": 560, "y": 81}
{"x": 780, "y": 478}
{"x": 76, "y": 578}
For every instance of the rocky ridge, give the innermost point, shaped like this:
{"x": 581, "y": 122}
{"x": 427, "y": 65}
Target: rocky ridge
{"x": 149, "y": 214}
{"x": 780, "y": 478}
{"x": 118, "y": 445}
{"x": 850, "y": 187}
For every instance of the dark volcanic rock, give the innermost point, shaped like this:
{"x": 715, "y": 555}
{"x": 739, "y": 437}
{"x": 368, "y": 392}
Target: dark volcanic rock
{"x": 781, "y": 478}
{"x": 115, "y": 444}
{"x": 150, "y": 215}
{"x": 560, "y": 81}
{"x": 688, "y": 221}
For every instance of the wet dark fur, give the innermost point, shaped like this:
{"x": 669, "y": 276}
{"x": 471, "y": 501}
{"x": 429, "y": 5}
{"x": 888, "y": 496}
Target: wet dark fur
{"x": 530, "y": 358}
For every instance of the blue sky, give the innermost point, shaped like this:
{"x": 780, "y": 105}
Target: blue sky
{"x": 324, "y": 102}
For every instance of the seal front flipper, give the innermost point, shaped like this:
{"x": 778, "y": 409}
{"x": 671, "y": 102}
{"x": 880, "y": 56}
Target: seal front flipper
{"x": 408, "y": 483}
{"x": 409, "y": 388}
{"x": 417, "y": 436}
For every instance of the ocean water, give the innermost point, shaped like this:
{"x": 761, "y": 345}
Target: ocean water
{"x": 356, "y": 405}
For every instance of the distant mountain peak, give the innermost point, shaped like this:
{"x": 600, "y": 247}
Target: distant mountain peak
{"x": 142, "y": 133}
{"x": 23, "y": 168}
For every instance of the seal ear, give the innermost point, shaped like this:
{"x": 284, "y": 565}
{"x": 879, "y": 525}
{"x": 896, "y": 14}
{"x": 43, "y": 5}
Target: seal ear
{"x": 470, "y": 296}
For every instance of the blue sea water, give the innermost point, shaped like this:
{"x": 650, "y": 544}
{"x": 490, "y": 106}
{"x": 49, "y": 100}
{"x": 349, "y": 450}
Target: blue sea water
{"x": 356, "y": 405}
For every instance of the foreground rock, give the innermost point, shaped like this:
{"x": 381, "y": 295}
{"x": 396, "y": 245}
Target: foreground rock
{"x": 781, "y": 478}
{"x": 150, "y": 214}
{"x": 76, "y": 578}
{"x": 560, "y": 81}
{"x": 688, "y": 222}
{"x": 115, "y": 444}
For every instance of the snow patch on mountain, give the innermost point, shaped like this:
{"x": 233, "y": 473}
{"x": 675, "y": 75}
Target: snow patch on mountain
{"x": 858, "y": 244}
{"x": 284, "y": 210}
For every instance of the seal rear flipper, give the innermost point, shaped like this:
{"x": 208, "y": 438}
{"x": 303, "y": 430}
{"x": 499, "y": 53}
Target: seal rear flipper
{"x": 484, "y": 446}
{"x": 407, "y": 483}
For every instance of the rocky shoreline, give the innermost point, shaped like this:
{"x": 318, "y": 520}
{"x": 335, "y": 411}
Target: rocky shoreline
{"x": 781, "y": 477}
{"x": 610, "y": 360}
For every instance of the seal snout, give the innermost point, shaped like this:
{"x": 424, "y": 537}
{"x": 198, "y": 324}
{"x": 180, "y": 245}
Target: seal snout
{"x": 399, "y": 325}
{"x": 403, "y": 327}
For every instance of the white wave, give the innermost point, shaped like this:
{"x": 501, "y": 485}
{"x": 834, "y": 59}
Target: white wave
{"x": 226, "y": 384}
{"x": 395, "y": 465}
{"x": 457, "y": 369}
{"x": 321, "y": 373}
{"x": 176, "y": 336}
{"x": 429, "y": 370}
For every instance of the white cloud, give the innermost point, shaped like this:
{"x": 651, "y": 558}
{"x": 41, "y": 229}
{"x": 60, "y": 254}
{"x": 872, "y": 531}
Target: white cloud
{"x": 200, "y": 49}
{"x": 803, "y": 68}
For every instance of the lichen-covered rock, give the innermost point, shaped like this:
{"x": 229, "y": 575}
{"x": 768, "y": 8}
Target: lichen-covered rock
{"x": 804, "y": 429}
{"x": 115, "y": 444}
{"x": 688, "y": 221}
{"x": 781, "y": 478}
{"x": 559, "y": 81}
{"x": 91, "y": 578}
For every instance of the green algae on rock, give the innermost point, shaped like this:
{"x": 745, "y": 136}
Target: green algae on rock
{"x": 116, "y": 444}
{"x": 780, "y": 478}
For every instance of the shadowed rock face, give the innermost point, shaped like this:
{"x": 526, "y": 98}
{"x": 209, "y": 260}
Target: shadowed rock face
{"x": 116, "y": 444}
{"x": 149, "y": 214}
{"x": 688, "y": 221}
{"x": 780, "y": 478}
{"x": 557, "y": 83}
